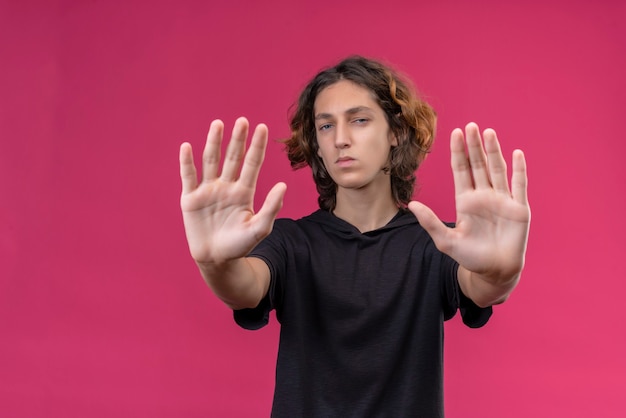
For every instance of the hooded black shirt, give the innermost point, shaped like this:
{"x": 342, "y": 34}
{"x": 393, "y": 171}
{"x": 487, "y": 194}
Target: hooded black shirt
{"x": 361, "y": 317}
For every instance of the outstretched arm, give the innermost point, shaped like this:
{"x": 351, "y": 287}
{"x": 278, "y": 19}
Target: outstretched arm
{"x": 220, "y": 223}
{"x": 493, "y": 219}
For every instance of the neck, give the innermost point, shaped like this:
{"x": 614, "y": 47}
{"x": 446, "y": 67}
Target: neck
{"x": 365, "y": 211}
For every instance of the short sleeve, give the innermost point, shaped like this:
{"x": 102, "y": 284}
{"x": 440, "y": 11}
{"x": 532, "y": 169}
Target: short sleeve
{"x": 472, "y": 315}
{"x": 254, "y": 318}
{"x": 257, "y": 318}
{"x": 272, "y": 250}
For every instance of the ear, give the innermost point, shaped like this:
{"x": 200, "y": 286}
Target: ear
{"x": 393, "y": 141}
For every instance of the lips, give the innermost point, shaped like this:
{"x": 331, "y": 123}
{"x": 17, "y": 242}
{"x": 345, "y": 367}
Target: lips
{"x": 344, "y": 161}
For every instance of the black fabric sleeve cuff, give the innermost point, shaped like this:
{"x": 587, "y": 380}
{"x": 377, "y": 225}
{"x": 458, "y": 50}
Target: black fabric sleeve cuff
{"x": 254, "y": 318}
{"x": 473, "y": 315}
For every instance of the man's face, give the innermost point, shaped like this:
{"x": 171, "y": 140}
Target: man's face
{"x": 353, "y": 136}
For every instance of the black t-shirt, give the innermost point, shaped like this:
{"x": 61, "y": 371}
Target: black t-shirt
{"x": 361, "y": 317}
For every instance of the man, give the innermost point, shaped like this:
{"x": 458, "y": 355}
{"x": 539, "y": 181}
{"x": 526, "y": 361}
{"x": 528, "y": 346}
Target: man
{"x": 360, "y": 287}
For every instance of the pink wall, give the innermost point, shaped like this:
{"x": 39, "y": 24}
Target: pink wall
{"x": 102, "y": 312}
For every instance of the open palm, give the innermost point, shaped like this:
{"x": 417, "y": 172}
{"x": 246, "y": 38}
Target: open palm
{"x": 220, "y": 222}
{"x": 492, "y": 219}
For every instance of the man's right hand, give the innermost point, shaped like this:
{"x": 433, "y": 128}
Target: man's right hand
{"x": 218, "y": 212}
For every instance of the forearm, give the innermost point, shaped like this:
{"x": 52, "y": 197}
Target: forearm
{"x": 240, "y": 283}
{"x": 487, "y": 290}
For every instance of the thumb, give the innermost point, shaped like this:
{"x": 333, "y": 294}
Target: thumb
{"x": 437, "y": 230}
{"x": 272, "y": 205}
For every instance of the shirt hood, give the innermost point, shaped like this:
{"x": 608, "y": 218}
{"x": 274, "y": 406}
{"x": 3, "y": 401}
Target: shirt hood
{"x": 328, "y": 220}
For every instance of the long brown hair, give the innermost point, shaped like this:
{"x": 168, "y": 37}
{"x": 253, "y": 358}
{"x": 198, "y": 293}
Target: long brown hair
{"x": 410, "y": 119}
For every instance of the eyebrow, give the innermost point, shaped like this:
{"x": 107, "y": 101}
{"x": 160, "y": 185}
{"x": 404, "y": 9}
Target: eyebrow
{"x": 350, "y": 111}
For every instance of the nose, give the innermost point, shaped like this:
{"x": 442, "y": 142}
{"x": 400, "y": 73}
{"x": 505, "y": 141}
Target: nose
{"x": 342, "y": 136}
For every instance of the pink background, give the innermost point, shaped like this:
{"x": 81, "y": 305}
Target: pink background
{"x": 102, "y": 311}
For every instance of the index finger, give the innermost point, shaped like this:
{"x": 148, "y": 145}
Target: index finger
{"x": 461, "y": 170}
{"x": 188, "y": 175}
{"x": 254, "y": 157}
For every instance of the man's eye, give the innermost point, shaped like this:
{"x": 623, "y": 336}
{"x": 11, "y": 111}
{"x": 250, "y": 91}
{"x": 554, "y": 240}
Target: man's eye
{"x": 324, "y": 127}
{"x": 360, "y": 120}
